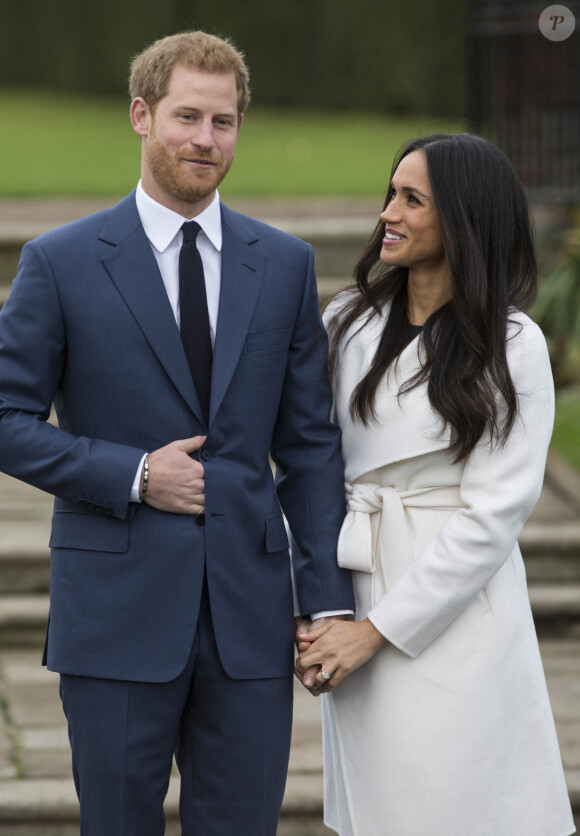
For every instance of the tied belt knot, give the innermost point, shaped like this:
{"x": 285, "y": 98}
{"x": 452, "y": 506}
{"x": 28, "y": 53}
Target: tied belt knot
{"x": 391, "y": 547}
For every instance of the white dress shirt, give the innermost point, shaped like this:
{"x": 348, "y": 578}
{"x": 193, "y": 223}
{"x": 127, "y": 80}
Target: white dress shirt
{"x": 163, "y": 229}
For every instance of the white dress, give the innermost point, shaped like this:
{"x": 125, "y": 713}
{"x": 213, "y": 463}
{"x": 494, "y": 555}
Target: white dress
{"x": 447, "y": 730}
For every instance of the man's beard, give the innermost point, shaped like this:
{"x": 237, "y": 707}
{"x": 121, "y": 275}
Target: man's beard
{"x": 175, "y": 178}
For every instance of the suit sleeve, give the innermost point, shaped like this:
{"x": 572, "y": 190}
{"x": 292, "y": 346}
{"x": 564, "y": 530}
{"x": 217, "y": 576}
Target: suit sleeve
{"x": 33, "y": 350}
{"x": 499, "y": 489}
{"x": 309, "y": 467}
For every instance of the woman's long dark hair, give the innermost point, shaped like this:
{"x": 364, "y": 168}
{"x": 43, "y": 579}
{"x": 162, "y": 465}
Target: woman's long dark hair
{"x": 489, "y": 247}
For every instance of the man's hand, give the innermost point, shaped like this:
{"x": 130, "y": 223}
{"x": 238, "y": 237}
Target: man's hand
{"x": 304, "y": 626}
{"x": 176, "y": 481}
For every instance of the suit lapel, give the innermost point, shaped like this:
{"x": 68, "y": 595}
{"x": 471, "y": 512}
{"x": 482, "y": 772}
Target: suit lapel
{"x": 132, "y": 267}
{"x": 241, "y": 280}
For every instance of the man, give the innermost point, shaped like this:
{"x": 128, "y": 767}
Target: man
{"x": 171, "y": 595}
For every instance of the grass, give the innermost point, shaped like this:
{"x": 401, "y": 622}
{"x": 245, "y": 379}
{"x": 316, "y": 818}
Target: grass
{"x": 69, "y": 145}
{"x": 313, "y": 153}
{"x": 566, "y": 437}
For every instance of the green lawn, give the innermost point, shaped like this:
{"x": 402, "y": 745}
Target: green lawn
{"x": 53, "y": 144}
{"x": 566, "y": 438}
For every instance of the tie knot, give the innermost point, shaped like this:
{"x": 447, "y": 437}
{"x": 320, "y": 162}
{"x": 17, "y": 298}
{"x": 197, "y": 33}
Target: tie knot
{"x": 190, "y": 230}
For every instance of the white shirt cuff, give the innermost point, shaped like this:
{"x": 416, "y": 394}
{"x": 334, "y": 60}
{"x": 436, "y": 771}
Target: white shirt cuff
{"x": 329, "y": 613}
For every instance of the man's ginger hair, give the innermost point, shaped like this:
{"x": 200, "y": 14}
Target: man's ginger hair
{"x": 151, "y": 70}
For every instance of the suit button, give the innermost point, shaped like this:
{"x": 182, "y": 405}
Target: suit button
{"x": 205, "y": 455}
{"x": 83, "y": 503}
{"x": 200, "y": 519}
{"x": 108, "y": 511}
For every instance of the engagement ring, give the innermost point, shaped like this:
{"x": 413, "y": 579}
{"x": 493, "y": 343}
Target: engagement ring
{"x": 325, "y": 675}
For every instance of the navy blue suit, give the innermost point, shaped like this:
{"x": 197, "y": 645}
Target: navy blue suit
{"x": 88, "y": 326}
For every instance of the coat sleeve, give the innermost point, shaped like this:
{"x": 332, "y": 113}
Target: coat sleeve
{"x": 499, "y": 489}
{"x": 90, "y": 472}
{"x": 309, "y": 467}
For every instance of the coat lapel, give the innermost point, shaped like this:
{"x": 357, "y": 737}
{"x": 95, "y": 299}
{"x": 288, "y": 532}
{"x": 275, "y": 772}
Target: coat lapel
{"x": 241, "y": 280}
{"x": 407, "y": 425}
{"x": 132, "y": 267}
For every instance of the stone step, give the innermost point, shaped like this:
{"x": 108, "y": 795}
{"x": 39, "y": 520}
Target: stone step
{"x": 23, "y": 620}
{"x": 337, "y": 229}
{"x": 43, "y": 801}
{"x": 551, "y": 554}
{"x": 49, "y": 807}
{"x": 556, "y": 610}
{"x": 24, "y": 554}
{"x": 337, "y": 242}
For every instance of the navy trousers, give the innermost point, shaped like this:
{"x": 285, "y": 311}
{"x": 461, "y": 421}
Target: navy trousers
{"x": 231, "y": 739}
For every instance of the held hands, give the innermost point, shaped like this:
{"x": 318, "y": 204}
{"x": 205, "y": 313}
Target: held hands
{"x": 307, "y": 676}
{"x": 335, "y": 647}
{"x": 176, "y": 481}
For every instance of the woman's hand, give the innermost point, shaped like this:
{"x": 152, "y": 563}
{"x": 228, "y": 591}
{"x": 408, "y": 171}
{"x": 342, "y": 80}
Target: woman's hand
{"x": 304, "y": 628}
{"x": 339, "y": 647}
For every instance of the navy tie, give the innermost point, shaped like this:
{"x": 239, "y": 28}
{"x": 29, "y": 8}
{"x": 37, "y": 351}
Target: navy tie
{"x": 195, "y": 333}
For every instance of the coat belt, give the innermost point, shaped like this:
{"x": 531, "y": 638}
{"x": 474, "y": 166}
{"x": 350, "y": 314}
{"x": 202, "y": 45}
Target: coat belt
{"x": 392, "y": 548}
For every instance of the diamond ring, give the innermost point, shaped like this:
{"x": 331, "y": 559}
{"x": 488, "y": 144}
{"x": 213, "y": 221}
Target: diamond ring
{"x": 325, "y": 675}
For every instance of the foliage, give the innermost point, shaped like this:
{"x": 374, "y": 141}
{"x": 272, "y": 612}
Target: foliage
{"x": 557, "y": 309}
{"x": 83, "y": 145}
{"x": 566, "y": 438}
{"x": 377, "y": 55}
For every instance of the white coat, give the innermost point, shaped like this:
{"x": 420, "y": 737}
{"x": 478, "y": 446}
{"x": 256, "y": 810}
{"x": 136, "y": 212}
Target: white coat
{"x": 447, "y": 730}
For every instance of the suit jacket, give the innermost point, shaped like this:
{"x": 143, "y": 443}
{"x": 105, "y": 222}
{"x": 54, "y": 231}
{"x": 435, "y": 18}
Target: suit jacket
{"x": 88, "y": 326}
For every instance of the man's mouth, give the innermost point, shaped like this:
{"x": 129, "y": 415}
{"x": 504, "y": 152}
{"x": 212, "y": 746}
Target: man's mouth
{"x": 200, "y": 161}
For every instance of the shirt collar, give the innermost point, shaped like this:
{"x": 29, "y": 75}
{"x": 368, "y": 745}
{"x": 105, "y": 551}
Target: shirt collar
{"x": 161, "y": 224}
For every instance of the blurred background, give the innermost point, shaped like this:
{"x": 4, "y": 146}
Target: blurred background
{"x": 64, "y": 68}
{"x": 337, "y": 88}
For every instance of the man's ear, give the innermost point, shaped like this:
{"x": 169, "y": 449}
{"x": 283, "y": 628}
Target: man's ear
{"x": 141, "y": 117}
{"x": 240, "y": 120}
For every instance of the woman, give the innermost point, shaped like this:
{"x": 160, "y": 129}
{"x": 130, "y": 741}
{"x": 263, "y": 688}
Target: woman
{"x": 444, "y": 395}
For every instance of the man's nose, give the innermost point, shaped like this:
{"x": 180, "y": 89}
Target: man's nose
{"x": 203, "y": 136}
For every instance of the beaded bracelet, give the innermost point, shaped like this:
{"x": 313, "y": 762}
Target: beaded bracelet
{"x": 145, "y": 477}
